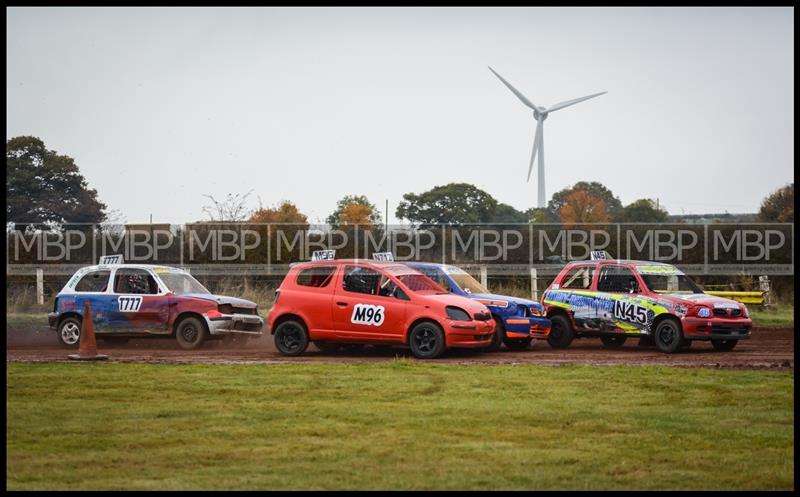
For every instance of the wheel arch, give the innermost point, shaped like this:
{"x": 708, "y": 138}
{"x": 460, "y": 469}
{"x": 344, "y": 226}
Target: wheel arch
{"x": 187, "y": 314}
{"x": 661, "y": 317}
{"x": 286, "y": 317}
{"x": 417, "y": 321}
{"x": 66, "y": 315}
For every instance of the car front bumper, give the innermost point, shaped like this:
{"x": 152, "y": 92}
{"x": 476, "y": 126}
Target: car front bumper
{"x": 468, "y": 334}
{"x": 716, "y": 328}
{"x": 52, "y": 319}
{"x": 527, "y": 327}
{"x": 246, "y": 324}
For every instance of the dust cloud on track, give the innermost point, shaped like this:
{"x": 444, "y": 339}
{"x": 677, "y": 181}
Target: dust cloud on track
{"x": 768, "y": 348}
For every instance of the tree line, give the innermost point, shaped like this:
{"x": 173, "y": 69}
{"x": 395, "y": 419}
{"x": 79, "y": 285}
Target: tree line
{"x": 44, "y": 186}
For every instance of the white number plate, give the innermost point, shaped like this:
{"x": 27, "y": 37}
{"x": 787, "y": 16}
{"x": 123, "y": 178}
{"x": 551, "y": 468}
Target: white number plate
{"x": 371, "y": 315}
{"x": 130, "y": 304}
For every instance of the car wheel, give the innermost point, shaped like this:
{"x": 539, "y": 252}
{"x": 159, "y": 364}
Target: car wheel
{"x": 723, "y": 345}
{"x": 518, "y": 344}
{"x": 499, "y": 336}
{"x": 69, "y": 332}
{"x": 668, "y": 336}
{"x": 291, "y": 338}
{"x": 561, "y": 332}
{"x": 190, "y": 333}
{"x": 327, "y": 347}
{"x": 426, "y": 340}
{"x": 611, "y": 342}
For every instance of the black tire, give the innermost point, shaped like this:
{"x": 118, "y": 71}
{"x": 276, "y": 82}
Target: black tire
{"x": 291, "y": 338}
{"x": 613, "y": 342}
{"x": 518, "y": 343}
{"x": 561, "y": 332}
{"x": 426, "y": 340}
{"x": 69, "y": 332}
{"x": 668, "y": 336}
{"x": 328, "y": 347}
{"x": 724, "y": 345}
{"x": 116, "y": 340}
{"x": 190, "y": 333}
{"x": 499, "y": 336}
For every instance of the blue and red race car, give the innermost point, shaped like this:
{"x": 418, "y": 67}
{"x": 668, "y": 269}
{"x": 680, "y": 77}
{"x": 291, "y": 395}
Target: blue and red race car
{"x": 137, "y": 300}
{"x": 518, "y": 320}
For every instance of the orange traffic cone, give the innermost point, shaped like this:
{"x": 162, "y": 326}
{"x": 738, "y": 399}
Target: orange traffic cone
{"x": 87, "y": 347}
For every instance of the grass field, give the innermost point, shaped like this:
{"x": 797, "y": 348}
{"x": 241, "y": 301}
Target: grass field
{"x": 397, "y": 425}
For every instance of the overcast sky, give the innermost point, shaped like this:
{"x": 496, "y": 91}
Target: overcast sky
{"x": 160, "y": 106}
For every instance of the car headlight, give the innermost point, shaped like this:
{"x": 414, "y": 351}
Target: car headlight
{"x": 225, "y": 308}
{"x": 704, "y": 312}
{"x": 457, "y": 313}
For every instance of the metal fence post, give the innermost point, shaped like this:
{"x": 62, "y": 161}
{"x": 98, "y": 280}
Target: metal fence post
{"x": 40, "y": 286}
{"x": 484, "y": 276}
{"x": 534, "y": 285}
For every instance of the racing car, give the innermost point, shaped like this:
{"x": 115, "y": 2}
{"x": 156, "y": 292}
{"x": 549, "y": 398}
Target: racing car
{"x": 518, "y": 321}
{"x": 618, "y": 299}
{"x": 140, "y": 300}
{"x": 343, "y": 302}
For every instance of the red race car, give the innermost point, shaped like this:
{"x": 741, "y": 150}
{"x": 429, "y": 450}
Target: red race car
{"x": 338, "y": 302}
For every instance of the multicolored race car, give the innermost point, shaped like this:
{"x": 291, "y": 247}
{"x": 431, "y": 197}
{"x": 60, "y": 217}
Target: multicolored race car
{"x": 343, "y": 302}
{"x": 618, "y": 299}
{"x": 518, "y": 321}
{"x": 138, "y": 300}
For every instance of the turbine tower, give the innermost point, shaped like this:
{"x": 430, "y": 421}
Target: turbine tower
{"x": 540, "y": 114}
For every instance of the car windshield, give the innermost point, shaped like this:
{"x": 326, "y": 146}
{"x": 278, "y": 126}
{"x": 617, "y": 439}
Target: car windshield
{"x": 670, "y": 283}
{"x": 181, "y": 283}
{"x": 465, "y": 281}
{"x": 418, "y": 282}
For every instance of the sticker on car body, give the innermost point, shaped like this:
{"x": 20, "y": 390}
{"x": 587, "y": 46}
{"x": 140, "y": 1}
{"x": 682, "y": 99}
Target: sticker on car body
{"x": 372, "y": 315}
{"x": 129, "y": 304}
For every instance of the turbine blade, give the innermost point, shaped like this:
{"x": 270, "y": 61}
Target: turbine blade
{"x": 536, "y": 142}
{"x": 516, "y": 92}
{"x": 561, "y": 105}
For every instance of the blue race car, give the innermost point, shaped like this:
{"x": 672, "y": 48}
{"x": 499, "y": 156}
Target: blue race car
{"x": 519, "y": 321}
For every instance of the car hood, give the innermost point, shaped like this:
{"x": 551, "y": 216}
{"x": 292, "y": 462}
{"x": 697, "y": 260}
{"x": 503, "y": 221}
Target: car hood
{"x": 699, "y": 299}
{"x": 491, "y": 297}
{"x": 221, "y": 299}
{"x": 468, "y": 304}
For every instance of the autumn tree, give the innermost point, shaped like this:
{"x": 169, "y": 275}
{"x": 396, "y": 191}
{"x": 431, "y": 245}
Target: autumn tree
{"x": 644, "y": 210}
{"x": 284, "y": 212}
{"x": 354, "y": 209}
{"x": 45, "y": 187}
{"x": 595, "y": 189}
{"x": 580, "y": 206}
{"x": 778, "y": 206}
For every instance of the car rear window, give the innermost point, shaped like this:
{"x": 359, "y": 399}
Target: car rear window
{"x": 95, "y": 281}
{"x": 317, "y": 277}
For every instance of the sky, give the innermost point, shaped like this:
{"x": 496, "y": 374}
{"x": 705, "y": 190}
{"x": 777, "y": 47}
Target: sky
{"x": 161, "y": 106}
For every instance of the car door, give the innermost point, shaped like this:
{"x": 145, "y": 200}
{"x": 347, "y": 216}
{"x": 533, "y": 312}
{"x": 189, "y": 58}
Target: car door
{"x": 368, "y": 306}
{"x": 139, "y": 304}
{"x": 94, "y": 288}
{"x": 621, "y": 286}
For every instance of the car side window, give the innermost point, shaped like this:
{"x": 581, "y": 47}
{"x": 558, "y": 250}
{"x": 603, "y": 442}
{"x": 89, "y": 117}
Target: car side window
{"x": 617, "y": 279}
{"x": 94, "y": 281}
{"x": 134, "y": 281}
{"x": 579, "y": 278}
{"x": 316, "y": 276}
{"x": 361, "y": 280}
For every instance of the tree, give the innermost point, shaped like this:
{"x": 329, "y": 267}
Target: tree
{"x": 285, "y": 212}
{"x": 540, "y": 215}
{"x": 45, "y": 187}
{"x": 505, "y": 213}
{"x": 644, "y": 210}
{"x": 778, "y": 206}
{"x": 580, "y": 206}
{"x": 596, "y": 189}
{"x": 359, "y": 211}
{"x": 232, "y": 209}
{"x": 454, "y": 203}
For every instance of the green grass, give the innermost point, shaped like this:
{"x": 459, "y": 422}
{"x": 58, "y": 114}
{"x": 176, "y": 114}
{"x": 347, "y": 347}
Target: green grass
{"x": 780, "y": 315}
{"x": 396, "y": 425}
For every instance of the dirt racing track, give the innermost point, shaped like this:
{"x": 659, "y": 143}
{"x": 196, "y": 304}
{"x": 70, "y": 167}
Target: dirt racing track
{"x": 768, "y": 348}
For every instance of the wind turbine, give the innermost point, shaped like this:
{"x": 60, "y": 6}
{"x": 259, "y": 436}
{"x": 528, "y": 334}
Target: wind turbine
{"x": 540, "y": 114}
